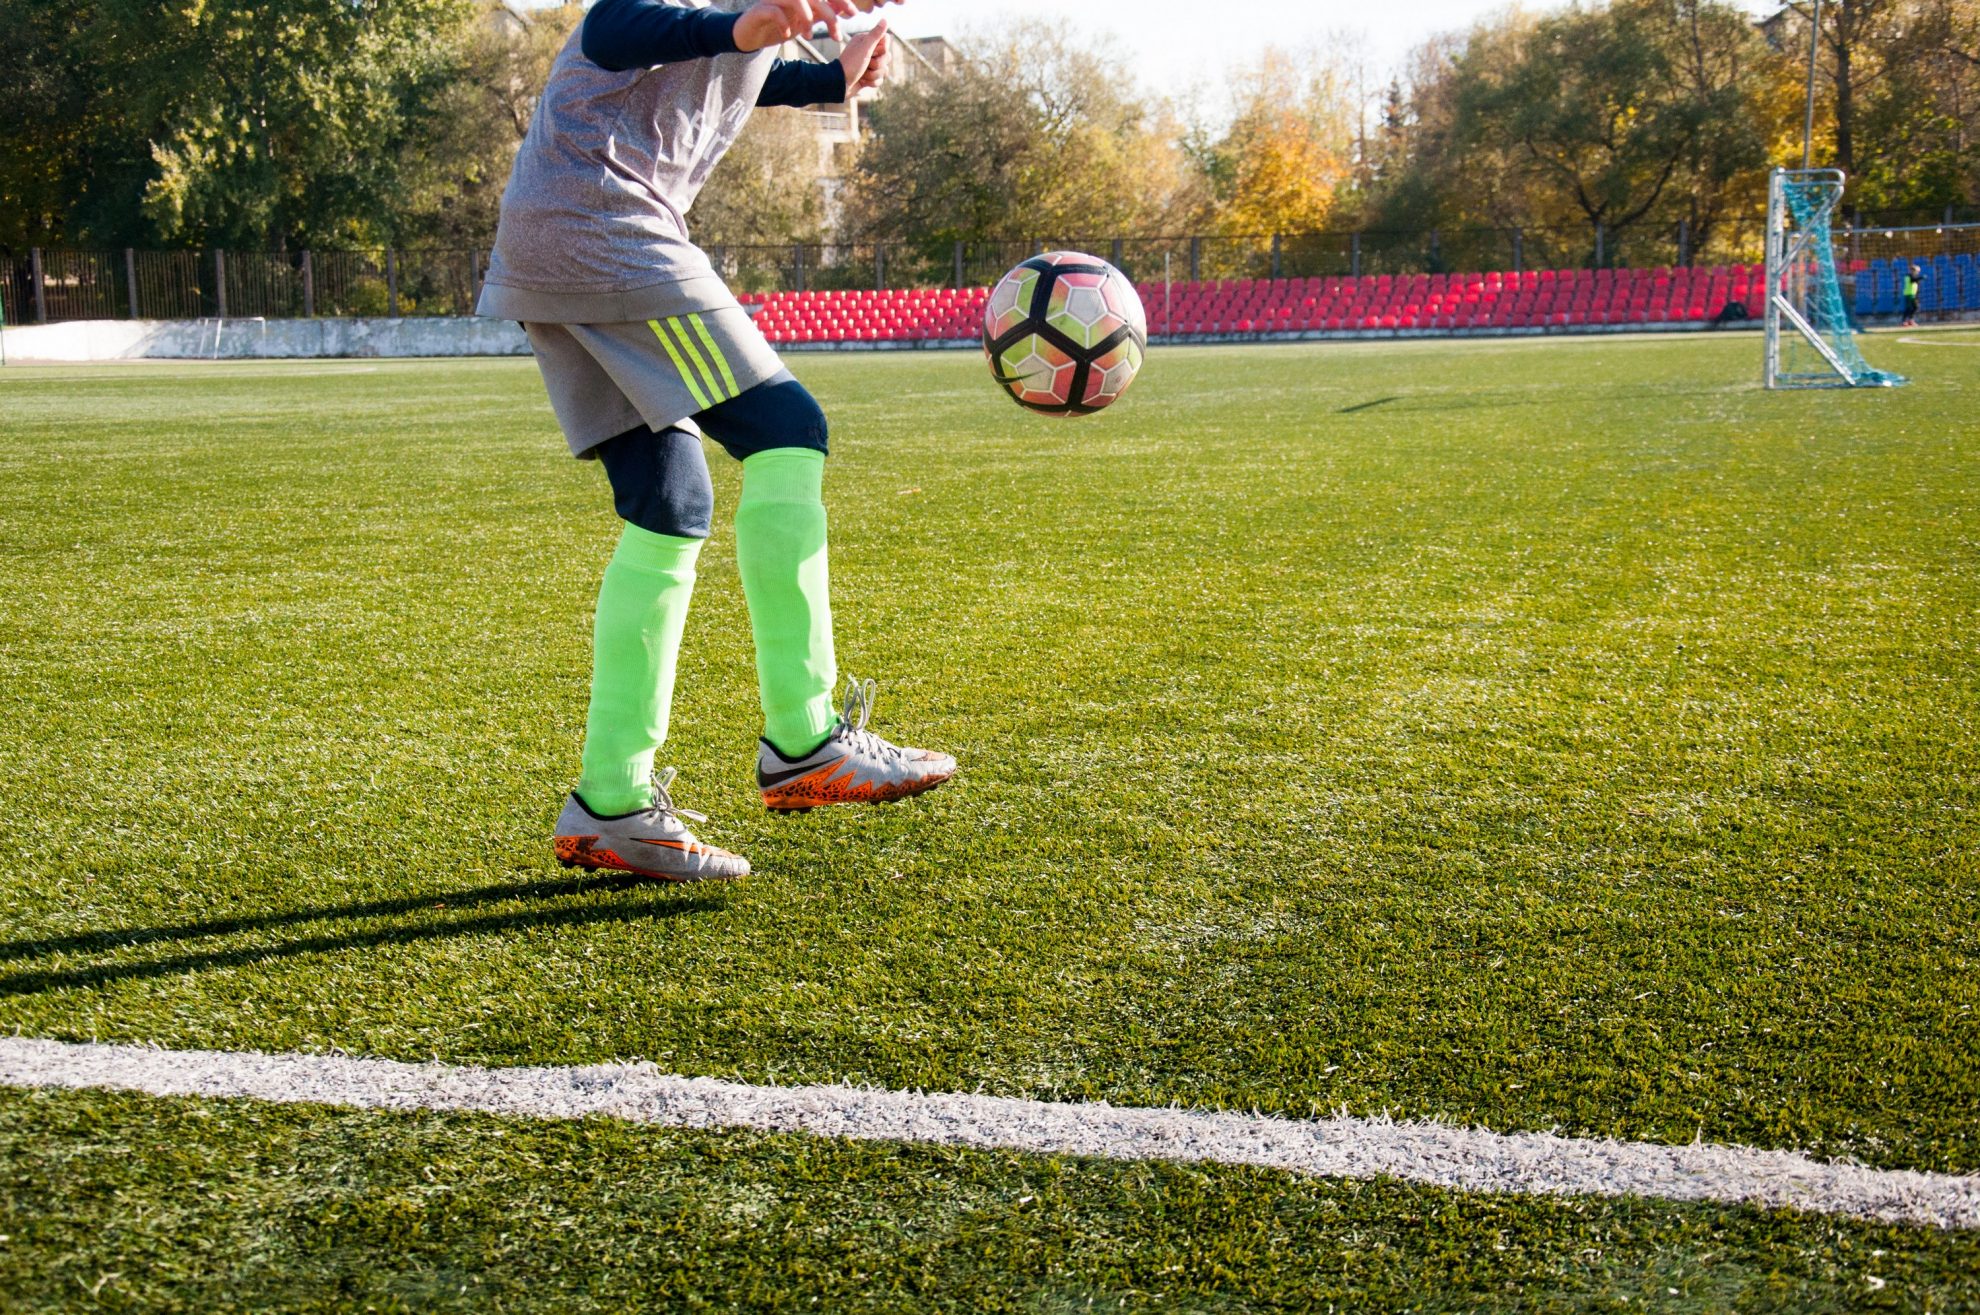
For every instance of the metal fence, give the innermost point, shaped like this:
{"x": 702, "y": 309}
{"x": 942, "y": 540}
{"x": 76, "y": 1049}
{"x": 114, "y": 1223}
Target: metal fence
{"x": 46, "y": 286}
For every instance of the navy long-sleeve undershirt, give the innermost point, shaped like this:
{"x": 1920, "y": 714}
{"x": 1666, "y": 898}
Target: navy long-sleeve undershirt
{"x": 620, "y": 35}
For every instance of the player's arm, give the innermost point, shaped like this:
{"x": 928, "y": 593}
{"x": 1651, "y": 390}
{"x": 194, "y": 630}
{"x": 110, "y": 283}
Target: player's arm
{"x": 620, "y": 35}
{"x": 800, "y": 82}
{"x": 627, "y": 34}
{"x": 773, "y": 22}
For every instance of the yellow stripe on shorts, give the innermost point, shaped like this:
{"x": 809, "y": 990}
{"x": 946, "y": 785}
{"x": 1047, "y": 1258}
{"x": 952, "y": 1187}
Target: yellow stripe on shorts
{"x": 680, "y": 332}
{"x": 721, "y": 362}
{"x": 687, "y": 375}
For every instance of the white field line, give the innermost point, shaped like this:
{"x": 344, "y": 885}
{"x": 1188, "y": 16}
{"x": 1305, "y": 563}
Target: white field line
{"x": 1467, "y": 1159}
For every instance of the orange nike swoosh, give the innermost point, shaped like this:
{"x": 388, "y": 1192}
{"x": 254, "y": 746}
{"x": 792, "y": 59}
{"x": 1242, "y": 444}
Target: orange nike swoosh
{"x": 666, "y": 844}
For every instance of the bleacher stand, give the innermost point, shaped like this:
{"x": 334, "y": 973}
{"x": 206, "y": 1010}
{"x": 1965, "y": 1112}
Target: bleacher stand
{"x": 1948, "y": 284}
{"x": 1377, "y": 305}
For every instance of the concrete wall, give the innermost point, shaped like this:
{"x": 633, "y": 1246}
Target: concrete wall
{"x": 235, "y": 340}
{"x": 84, "y": 341}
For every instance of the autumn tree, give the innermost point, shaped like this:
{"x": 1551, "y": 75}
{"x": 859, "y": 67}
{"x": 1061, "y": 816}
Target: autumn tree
{"x": 1740, "y": 98}
{"x": 1423, "y": 167}
{"x": 1899, "y": 97}
{"x": 1287, "y": 149}
{"x": 1593, "y": 106}
{"x": 1636, "y": 113}
{"x": 1856, "y": 37}
{"x": 1036, "y": 133}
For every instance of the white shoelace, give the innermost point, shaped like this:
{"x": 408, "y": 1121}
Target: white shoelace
{"x": 852, "y": 721}
{"x": 663, "y": 799}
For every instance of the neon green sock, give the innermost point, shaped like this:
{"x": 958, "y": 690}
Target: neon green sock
{"x": 642, "y": 609}
{"x": 781, "y": 555}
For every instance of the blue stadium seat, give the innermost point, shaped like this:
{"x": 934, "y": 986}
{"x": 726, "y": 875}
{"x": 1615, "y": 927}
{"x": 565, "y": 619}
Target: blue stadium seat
{"x": 1932, "y": 284}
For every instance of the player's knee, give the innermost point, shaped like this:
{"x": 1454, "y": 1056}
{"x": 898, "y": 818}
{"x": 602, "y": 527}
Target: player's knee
{"x": 808, "y": 425}
{"x": 779, "y": 413}
{"x": 660, "y": 482}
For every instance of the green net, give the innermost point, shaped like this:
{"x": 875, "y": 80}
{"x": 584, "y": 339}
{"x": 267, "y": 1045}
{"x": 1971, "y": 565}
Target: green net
{"x": 1811, "y": 285}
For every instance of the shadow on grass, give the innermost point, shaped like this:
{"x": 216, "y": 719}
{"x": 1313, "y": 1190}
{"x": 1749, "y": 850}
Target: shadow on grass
{"x": 623, "y": 910}
{"x": 1366, "y": 406}
{"x": 1502, "y": 400}
{"x": 84, "y": 942}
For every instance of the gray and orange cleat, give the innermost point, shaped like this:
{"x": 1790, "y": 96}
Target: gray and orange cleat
{"x": 654, "y": 843}
{"x": 853, "y": 766}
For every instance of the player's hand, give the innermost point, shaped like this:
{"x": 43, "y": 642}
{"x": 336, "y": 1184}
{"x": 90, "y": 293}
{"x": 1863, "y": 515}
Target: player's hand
{"x": 865, "y": 59}
{"x": 773, "y": 22}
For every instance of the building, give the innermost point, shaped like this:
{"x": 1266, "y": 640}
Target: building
{"x": 838, "y": 130}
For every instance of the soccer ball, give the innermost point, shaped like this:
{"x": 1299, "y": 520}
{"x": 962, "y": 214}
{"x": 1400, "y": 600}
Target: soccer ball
{"x": 1065, "y": 334}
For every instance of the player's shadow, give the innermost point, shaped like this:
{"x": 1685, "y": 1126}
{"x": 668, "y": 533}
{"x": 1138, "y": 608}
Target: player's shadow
{"x": 1509, "y": 399}
{"x": 35, "y": 982}
{"x": 1359, "y": 407}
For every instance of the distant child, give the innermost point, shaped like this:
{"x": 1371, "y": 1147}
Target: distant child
{"x": 643, "y": 348}
{"x": 1911, "y": 278}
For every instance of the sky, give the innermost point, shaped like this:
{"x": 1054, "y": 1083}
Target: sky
{"x": 1178, "y": 42}
{"x": 1182, "y": 43}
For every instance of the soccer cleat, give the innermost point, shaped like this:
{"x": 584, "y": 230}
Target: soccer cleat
{"x": 854, "y": 766}
{"x": 655, "y": 843}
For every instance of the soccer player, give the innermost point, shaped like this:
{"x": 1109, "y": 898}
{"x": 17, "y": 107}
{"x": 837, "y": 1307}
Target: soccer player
{"x": 643, "y": 348}
{"x": 1911, "y": 277}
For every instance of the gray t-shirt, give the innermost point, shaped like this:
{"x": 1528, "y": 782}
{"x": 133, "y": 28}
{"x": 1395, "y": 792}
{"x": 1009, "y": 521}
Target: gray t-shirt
{"x": 593, "y": 227}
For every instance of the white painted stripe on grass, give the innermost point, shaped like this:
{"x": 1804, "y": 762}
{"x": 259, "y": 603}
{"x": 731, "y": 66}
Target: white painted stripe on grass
{"x": 1468, "y": 1159}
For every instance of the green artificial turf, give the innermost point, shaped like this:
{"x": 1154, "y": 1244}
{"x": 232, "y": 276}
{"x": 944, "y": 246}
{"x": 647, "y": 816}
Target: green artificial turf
{"x": 1531, "y": 735}
{"x": 125, "y": 1203}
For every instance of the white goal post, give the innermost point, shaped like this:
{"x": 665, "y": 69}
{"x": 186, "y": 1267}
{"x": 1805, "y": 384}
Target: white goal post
{"x": 1811, "y": 340}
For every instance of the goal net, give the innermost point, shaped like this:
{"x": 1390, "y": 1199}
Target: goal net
{"x": 1943, "y": 258}
{"x": 1811, "y": 340}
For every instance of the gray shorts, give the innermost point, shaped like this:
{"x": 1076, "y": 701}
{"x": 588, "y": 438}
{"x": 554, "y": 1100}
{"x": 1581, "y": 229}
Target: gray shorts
{"x": 606, "y": 379}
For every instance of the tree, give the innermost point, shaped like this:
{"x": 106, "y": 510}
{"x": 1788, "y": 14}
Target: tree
{"x": 75, "y": 118}
{"x": 1583, "y": 108}
{"x": 238, "y": 122}
{"x": 1898, "y": 97}
{"x": 1636, "y": 113}
{"x": 289, "y": 121}
{"x": 1743, "y": 101}
{"x": 1854, "y": 35}
{"x": 1916, "y": 126}
{"x": 1287, "y": 149}
{"x": 455, "y": 169}
{"x": 1036, "y": 133}
{"x": 1425, "y": 168}
{"x": 769, "y": 189}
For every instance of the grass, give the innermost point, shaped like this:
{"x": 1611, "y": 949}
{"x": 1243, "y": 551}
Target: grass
{"x": 122, "y": 1203}
{"x": 1528, "y": 735}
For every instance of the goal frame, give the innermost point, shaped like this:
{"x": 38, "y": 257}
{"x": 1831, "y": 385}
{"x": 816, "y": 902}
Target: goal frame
{"x": 1801, "y": 266}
